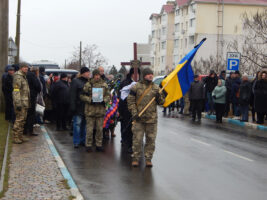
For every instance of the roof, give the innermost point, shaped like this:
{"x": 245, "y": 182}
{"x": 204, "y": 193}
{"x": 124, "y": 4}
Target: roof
{"x": 182, "y": 2}
{"x": 154, "y": 15}
{"x": 238, "y": 2}
{"x": 168, "y": 8}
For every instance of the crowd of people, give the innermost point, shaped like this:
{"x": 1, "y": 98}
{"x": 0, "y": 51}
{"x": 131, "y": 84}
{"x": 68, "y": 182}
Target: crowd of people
{"x": 226, "y": 96}
{"x": 91, "y": 106}
{"x": 88, "y": 106}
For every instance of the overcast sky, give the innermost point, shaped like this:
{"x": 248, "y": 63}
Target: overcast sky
{"x": 50, "y": 29}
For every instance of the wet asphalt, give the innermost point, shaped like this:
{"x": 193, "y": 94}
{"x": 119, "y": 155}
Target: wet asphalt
{"x": 192, "y": 162}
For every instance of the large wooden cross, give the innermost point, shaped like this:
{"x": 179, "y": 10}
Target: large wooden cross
{"x": 135, "y": 63}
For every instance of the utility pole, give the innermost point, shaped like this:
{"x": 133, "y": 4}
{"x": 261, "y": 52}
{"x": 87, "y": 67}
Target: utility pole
{"x": 220, "y": 15}
{"x": 3, "y": 44}
{"x": 17, "y": 40}
{"x": 80, "y": 61}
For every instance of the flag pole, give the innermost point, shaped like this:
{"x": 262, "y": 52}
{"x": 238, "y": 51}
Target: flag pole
{"x": 145, "y": 108}
{"x": 152, "y": 100}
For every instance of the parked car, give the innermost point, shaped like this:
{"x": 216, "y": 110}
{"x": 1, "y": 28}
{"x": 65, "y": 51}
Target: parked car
{"x": 158, "y": 79}
{"x": 60, "y": 71}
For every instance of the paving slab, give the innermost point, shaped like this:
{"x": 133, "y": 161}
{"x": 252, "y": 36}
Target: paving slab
{"x": 34, "y": 173}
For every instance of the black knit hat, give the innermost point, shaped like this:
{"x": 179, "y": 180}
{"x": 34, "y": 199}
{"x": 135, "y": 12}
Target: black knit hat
{"x": 84, "y": 69}
{"x": 147, "y": 71}
{"x": 96, "y": 72}
{"x": 63, "y": 75}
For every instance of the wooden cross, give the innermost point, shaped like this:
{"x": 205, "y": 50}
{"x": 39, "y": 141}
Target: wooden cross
{"x": 135, "y": 63}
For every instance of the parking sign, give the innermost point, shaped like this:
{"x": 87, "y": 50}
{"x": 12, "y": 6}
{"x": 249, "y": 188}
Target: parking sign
{"x": 233, "y": 61}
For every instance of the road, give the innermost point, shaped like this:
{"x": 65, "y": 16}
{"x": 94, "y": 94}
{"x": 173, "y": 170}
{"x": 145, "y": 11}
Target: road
{"x": 192, "y": 161}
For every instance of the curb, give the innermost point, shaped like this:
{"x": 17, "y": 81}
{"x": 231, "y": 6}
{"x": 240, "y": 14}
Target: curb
{"x": 2, "y": 177}
{"x": 63, "y": 169}
{"x": 237, "y": 122}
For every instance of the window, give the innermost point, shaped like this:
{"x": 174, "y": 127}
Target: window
{"x": 181, "y": 43}
{"x": 153, "y": 34}
{"x": 164, "y": 17}
{"x": 163, "y": 45}
{"x": 152, "y": 61}
{"x": 177, "y": 27}
{"x": 162, "y": 59}
{"x": 186, "y": 10}
{"x": 186, "y": 25}
{"x": 192, "y": 9}
{"x": 191, "y": 39}
{"x": 177, "y": 12}
{"x": 192, "y": 22}
{"x": 153, "y": 46}
{"x": 185, "y": 43}
{"x": 163, "y": 31}
{"x": 176, "y": 43}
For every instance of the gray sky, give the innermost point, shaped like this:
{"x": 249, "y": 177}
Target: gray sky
{"x": 50, "y": 29}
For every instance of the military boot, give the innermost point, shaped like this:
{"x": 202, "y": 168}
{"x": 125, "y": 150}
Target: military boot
{"x": 149, "y": 163}
{"x": 17, "y": 141}
{"x": 135, "y": 163}
{"x": 24, "y": 139}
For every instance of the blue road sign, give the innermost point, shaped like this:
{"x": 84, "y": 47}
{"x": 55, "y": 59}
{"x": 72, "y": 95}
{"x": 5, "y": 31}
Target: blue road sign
{"x": 233, "y": 64}
{"x": 233, "y": 61}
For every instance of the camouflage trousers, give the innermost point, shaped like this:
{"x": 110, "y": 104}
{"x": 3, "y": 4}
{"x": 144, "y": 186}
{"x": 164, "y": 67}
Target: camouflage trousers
{"x": 19, "y": 123}
{"x": 140, "y": 129}
{"x": 91, "y": 123}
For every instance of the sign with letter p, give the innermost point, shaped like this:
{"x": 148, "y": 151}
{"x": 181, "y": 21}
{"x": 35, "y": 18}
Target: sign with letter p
{"x": 233, "y": 61}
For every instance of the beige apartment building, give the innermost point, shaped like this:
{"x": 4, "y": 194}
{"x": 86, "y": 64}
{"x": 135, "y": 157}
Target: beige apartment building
{"x": 161, "y": 39}
{"x": 219, "y": 21}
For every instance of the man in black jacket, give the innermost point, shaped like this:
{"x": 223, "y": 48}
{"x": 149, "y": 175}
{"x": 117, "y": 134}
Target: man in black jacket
{"x": 125, "y": 115}
{"x": 77, "y": 107}
{"x": 196, "y": 96}
{"x": 7, "y": 88}
{"x": 210, "y": 83}
{"x": 35, "y": 89}
{"x": 60, "y": 98}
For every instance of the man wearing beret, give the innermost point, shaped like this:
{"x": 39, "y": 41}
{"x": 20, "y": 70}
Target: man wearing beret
{"x": 95, "y": 95}
{"x": 77, "y": 107}
{"x": 140, "y": 95}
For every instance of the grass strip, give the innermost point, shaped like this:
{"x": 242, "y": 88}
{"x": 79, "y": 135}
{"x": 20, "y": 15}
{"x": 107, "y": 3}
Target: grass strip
{"x": 3, "y": 135}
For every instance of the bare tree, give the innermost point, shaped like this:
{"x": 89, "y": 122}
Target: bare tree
{"x": 253, "y": 43}
{"x": 203, "y": 66}
{"x": 91, "y": 57}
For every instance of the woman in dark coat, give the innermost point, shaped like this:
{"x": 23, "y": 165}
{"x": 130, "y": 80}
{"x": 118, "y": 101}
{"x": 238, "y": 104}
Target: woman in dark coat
{"x": 260, "y": 92}
{"x": 244, "y": 98}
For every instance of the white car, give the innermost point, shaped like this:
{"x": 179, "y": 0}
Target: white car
{"x": 157, "y": 79}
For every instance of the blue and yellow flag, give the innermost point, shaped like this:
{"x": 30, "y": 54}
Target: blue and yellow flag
{"x": 179, "y": 80}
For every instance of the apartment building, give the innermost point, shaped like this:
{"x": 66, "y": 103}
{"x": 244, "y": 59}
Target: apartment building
{"x": 161, "y": 39}
{"x": 219, "y": 21}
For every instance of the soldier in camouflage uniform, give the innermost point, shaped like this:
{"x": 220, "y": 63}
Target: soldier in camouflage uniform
{"x": 21, "y": 99}
{"x": 140, "y": 95}
{"x": 95, "y": 110}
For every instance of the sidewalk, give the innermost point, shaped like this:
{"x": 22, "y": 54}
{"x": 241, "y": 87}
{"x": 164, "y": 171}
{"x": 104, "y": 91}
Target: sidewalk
{"x": 263, "y": 128}
{"x": 34, "y": 173}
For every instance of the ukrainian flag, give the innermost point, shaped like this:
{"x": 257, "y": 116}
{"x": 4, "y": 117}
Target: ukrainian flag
{"x": 178, "y": 82}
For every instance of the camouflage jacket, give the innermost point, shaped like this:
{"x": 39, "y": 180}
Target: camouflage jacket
{"x": 150, "y": 115}
{"x": 21, "y": 91}
{"x": 95, "y": 109}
